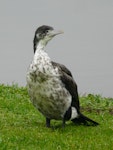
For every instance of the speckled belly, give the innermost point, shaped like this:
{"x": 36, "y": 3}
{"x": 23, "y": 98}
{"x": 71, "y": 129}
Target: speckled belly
{"x": 50, "y": 97}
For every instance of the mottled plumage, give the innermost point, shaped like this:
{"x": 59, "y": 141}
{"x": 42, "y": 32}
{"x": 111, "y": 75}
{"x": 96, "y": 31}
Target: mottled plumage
{"x": 51, "y": 86}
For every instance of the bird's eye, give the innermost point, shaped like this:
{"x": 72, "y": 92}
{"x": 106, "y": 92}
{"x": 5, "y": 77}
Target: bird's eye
{"x": 46, "y": 31}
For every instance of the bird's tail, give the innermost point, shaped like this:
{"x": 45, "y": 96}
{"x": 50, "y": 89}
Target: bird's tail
{"x": 84, "y": 120}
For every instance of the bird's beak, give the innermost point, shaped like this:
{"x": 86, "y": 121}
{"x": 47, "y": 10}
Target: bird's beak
{"x": 55, "y": 32}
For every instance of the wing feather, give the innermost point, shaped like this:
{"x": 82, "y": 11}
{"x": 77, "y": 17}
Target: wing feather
{"x": 69, "y": 83}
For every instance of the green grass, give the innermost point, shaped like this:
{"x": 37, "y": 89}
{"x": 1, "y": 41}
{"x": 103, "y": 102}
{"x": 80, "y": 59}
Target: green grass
{"x": 22, "y": 127}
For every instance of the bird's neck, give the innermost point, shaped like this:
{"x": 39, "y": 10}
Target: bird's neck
{"x": 39, "y": 46}
{"x": 41, "y": 58}
{"x": 40, "y": 52}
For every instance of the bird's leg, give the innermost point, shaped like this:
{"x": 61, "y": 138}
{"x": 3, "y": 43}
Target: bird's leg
{"x": 63, "y": 123}
{"x": 48, "y": 122}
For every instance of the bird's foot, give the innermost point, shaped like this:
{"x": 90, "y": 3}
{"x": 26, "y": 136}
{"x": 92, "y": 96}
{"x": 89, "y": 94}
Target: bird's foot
{"x": 63, "y": 123}
{"x": 48, "y": 122}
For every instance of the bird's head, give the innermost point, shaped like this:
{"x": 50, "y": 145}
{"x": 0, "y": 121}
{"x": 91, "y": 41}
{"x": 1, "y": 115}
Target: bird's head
{"x": 44, "y": 34}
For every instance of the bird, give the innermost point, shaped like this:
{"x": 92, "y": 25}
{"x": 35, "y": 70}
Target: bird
{"x": 51, "y": 86}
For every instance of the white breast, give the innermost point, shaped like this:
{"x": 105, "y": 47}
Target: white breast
{"x": 46, "y": 90}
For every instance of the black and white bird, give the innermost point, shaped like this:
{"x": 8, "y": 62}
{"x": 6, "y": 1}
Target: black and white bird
{"x": 51, "y": 86}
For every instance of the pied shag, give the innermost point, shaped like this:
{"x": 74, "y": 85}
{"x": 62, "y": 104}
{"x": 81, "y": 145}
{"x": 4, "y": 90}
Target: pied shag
{"x": 51, "y": 86}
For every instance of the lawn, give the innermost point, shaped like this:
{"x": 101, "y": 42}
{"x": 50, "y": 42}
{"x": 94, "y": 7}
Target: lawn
{"x": 22, "y": 127}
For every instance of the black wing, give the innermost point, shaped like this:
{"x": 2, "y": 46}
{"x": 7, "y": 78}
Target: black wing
{"x": 69, "y": 83}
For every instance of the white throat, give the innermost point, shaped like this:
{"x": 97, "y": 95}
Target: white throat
{"x": 40, "y": 46}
